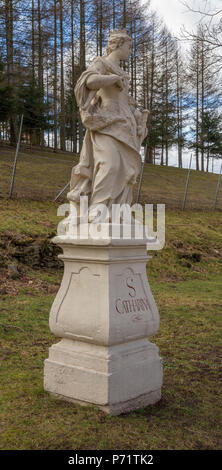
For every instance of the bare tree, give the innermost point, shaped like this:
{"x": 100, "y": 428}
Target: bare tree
{"x": 55, "y": 78}
{"x": 40, "y": 66}
{"x": 211, "y": 25}
{"x": 9, "y": 28}
{"x": 205, "y": 89}
{"x": 62, "y": 90}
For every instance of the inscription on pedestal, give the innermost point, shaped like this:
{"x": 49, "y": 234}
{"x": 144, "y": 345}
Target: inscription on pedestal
{"x": 132, "y": 298}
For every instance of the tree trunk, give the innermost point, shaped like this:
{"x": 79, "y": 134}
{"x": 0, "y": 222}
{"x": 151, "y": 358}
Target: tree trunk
{"x": 131, "y": 60}
{"x": 40, "y": 71}
{"x": 179, "y": 113}
{"x": 73, "y": 133}
{"x": 100, "y": 28}
{"x": 208, "y": 158}
{"x": 55, "y": 79}
{"x": 9, "y": 26}
{"x": 82, "y": 61}
{"x": 47, "y": 98}
{"x": 135, "y": 64}
{"x": 62, "y": 91}
{"x": 33, "y": 43}
{"x": 114, "y": 14}
{"x": 197, "y": 107}
{"x": 149, "y": 156}
{"x": 202, "y": 106}
{"x": 167, "y": 102}
{"x": 162, "y": 153}
{"x": 82, "y": 37}
{"x": 181, "y": 128}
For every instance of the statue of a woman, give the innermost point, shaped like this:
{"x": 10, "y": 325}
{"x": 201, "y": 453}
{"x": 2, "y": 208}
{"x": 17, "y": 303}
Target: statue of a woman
{"x": 115, "y": 128}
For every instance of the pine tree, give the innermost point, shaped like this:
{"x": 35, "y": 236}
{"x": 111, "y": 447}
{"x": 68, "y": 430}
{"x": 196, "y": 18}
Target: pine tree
{"x": 212, "y": 129}
{"x": 6, "y": 95}
{"x": 205, "y": 88}
{"x": 35, "y": 111}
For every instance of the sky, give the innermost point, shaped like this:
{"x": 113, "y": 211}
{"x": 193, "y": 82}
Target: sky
{"x": 175, "y": 14}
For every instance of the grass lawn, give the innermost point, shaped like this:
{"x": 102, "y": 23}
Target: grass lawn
{"x": 41, "y": 175}
{"x": 185, "y": 279}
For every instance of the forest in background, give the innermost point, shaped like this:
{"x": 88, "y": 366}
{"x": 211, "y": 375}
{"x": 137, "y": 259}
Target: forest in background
{"x": 46, "y": 45}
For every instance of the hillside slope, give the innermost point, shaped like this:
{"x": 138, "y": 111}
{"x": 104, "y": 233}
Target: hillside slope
{"x": 41, "y": 175}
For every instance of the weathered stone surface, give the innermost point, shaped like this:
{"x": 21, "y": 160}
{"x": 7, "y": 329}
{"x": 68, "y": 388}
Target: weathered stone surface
{"x": 104, "y": 311}
{"x": 110, "y": 159}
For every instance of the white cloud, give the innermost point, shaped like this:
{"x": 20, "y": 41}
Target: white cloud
{"x": 175, "y": 14}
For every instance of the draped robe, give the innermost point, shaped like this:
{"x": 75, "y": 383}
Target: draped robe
{"x": 110, "y": 157}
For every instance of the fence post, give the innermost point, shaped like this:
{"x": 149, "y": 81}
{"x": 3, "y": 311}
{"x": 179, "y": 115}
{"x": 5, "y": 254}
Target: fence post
{"x": 61, "y": 192}
{"x": 187, "y": 184}
{"x": 16, "y": 157}
{"x": 218, "y": 187}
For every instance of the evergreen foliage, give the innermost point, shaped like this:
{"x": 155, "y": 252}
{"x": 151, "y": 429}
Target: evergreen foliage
{"x": 52, "y": 43}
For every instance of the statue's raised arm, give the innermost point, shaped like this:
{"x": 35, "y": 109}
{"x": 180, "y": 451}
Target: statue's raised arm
{"x": 115, "y": 128}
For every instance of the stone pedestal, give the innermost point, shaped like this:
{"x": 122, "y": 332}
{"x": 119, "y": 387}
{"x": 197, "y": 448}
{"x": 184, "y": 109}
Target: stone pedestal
{"x": 104, "y": 312}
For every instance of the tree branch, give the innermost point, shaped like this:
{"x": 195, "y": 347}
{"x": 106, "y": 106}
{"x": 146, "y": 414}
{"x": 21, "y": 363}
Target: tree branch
{"x": 200, "y": 12}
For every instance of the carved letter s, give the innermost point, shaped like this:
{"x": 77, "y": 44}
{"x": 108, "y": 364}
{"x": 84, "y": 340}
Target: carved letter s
{"x": 133, "y": 294}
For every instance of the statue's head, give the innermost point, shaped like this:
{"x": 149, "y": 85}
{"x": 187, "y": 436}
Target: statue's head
{"x": 119, "y": 39}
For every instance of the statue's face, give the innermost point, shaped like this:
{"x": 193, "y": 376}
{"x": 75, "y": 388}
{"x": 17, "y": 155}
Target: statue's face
{"x": 125, "y": 50}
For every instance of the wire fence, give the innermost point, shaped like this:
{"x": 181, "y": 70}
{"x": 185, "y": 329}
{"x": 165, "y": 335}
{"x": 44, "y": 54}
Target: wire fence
{"x": 42, "y": 175}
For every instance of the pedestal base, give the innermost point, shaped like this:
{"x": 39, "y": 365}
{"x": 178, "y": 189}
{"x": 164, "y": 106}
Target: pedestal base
{"x": 117, "y": 379}
{"x": 104, "y": 311}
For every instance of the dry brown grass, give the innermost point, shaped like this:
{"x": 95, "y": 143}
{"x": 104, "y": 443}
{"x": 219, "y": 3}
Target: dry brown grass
{"x": 41, "y": 175}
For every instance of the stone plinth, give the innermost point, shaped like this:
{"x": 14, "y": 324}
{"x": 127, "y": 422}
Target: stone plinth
{"x": 104, "y": 312}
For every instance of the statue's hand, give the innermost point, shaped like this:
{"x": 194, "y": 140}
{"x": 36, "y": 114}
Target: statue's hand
{"x": 119, "y": 82}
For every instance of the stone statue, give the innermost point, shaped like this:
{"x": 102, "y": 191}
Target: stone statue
{"x": 104, "y": 310}
{"x": 115, "y": 128}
